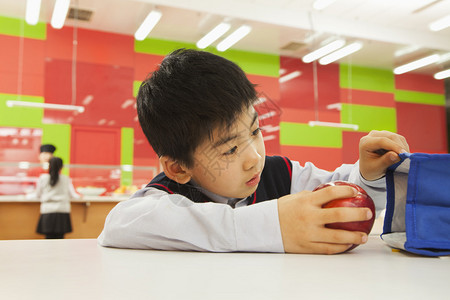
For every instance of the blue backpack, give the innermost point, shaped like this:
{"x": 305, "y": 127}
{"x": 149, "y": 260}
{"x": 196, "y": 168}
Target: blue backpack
{"x": 418, "y": 204}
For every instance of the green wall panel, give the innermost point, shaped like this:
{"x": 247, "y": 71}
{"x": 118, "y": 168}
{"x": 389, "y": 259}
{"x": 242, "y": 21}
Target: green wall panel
{"x": 126, "y": 148}
{"x": 18, "y": 27}
{"x": 298, "y": 134}
{"x": 20, "y": 116}
{"x": 159, "y": 46}
{"x": 126, "y": 154}
{"x": 136, "y": 86}
{"x": 419, "y": 97}
{"x": 369, "y": 117}
{"x": 250, "y": 62}
{"x": 60, "y": 136}
{"x": 363, "y": 78}
{"x": 254, "y": 63}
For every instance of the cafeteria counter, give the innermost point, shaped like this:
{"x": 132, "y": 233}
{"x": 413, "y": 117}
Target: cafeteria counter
{"x": 19, "y": 216}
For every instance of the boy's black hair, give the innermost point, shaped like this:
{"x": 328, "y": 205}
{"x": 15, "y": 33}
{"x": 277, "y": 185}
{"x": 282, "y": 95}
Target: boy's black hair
{"x": 191, "y": 94}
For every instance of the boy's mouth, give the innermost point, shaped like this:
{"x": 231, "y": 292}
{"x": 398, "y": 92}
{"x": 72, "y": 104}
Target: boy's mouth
{"x": 254, "y": 180}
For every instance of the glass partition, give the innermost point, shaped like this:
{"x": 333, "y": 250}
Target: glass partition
{"x": 18, "y": 178}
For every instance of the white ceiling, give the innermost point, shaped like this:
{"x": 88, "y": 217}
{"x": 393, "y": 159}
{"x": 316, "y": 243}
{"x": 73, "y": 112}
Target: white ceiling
{"x": 384, "y": 26}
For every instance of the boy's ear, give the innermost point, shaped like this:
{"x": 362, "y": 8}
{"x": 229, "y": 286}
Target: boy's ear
{"x": 174, "y": 170}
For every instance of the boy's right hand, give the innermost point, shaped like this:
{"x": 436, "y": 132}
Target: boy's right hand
{"x": 302, "y": 221}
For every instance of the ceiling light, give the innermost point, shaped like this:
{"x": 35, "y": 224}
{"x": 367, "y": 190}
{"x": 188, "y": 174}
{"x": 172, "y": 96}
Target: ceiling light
{"x": 442, "y": 74}
{"x": 440, "y": 24}
{"x": 88, "y": 99}
{"x": 269, "y": 137}
{"x": 406, "y": 50}
{"x": 332, "y": 124}
{"x": 416, "y": 64}
{"x": 316, "y": 54}
{"x": 267, "y": 115}
{"x": 12, "y": 103}
{"x": 126, "y": 103}
{"x": 337, "y": 106}
{"x": 150, "y": 21}
{"x": 59, "y": 13}
{"x": 289, "y": 76}
{"x": 32, "y": 11}
{"x": 234, "y": 37}
{"x": 213, "y": 35}
{"x": 347, "y": 50}
{"x": 321, "y": 4}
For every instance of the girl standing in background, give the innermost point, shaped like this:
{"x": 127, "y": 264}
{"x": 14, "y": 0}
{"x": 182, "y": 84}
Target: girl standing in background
{"x": 55, "y": 191}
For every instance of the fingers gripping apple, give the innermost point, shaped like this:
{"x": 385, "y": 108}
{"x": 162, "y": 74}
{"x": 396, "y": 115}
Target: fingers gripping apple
{"x": 362, "y": 199}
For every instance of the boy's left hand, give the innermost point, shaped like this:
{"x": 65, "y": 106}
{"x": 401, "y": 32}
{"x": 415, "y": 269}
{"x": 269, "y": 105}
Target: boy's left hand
{"x": 377, "y": 151}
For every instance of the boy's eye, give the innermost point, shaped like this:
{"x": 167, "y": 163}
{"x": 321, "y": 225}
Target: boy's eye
{"x": 256, "y": 131}
{"x": 231, "y": 151}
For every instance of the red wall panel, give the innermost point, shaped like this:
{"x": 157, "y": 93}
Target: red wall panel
{"x": 143, "y": 154}
{"x": 145, "y": 64}
{"x": 109, "y": 88}
{"x": 304, "y": 116}
{"x": 93, "y": 46}
{"x": 350, "y": 146}
{"x": 25, "y": 78}
{"x": 267, "y": 85}
{"x": 324, "y": 158}
{"x": 299, "y": 92}
{"x": 423, "y": 126}
{"x": 363, "y": 97}
{"x": 96, "y": 146}
{"x": 419, "y": 83}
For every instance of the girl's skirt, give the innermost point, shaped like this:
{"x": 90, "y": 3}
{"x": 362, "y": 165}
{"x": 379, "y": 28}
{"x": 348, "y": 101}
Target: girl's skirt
{"x": 54, "y": 223}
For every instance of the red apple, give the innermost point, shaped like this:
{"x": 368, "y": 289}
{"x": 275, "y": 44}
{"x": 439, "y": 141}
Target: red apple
{"x": 362, "y": 199}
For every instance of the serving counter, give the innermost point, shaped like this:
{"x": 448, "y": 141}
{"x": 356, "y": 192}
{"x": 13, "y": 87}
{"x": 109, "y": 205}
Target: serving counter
{"x": 19, "y": 216}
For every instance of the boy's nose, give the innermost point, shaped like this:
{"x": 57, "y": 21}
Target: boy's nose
{"x": 252, "y": 157}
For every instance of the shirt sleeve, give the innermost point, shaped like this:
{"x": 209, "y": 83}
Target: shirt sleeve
{"x": 309, "y": 177}
{"x": 153, "y": 219}
{"x": 73, "y": 194}
{"x": 36, "y": 194}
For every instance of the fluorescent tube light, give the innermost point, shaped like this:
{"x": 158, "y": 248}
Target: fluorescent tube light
{"x": 150, "y": 21}
{"x": 417, "y": 64}
{"x": 316, "y": 54}
{"x": 12, "y": 103}
{"x": 213, "y": 35}
{"x": 442, "y": 74}
{"x": 59, "y": 13}
{"x": 321, "y": 4}
{"x": 234, "y": 37}
{"x": 332, "y": 124}
{"x": 32, "y": 11}
{"x": 440, "y": 24}
{"x": 406, "y": 50}
{"x": 347, "y": 50}
{"x": 289, "y": 76}
{"x": 337, "y": 106}
{"x": 269, "y": 137}
{"x": 267, "y": 115}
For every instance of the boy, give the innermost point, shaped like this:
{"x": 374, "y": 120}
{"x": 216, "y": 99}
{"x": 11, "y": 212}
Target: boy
{"x": 219, "y": 192}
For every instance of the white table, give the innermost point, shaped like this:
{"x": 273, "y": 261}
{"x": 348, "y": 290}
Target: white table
{"x": 80, "y": 269}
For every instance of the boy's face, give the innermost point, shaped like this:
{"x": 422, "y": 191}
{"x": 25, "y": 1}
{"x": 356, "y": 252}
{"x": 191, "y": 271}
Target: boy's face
{"x": 231, "y": 163}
